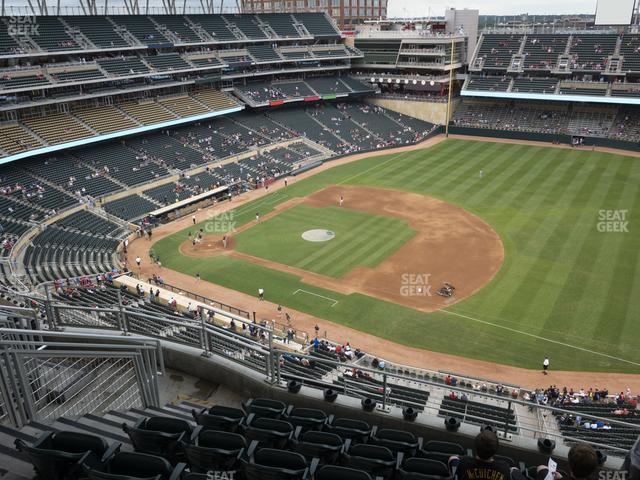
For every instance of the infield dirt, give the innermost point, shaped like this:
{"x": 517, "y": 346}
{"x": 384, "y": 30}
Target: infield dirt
{"x": 450, "y": 245}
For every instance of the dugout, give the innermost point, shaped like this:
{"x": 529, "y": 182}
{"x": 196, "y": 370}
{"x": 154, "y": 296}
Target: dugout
{"x": 192, "y": 204}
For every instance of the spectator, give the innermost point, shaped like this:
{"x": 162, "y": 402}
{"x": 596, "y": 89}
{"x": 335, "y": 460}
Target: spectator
{"x": 482, "y": 466}
{"x": 583, "y": 463}
{"x": 632, "y": 462}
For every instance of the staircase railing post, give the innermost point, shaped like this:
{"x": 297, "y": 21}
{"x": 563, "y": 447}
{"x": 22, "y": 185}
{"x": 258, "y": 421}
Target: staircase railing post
{"x": 122, "y": 316}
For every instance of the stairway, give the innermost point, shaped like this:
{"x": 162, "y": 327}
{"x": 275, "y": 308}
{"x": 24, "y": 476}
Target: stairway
{"x": 13, "y": 466}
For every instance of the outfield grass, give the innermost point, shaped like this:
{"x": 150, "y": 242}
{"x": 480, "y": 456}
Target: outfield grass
{"x": 565, "y": 289}
{"x": 361, "y": 239}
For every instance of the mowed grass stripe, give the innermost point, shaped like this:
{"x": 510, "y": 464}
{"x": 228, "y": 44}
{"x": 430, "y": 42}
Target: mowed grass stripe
{"x": 399, "y": 238}
{"x": 512, "y": 204}
{"x": 414, "y": 166}
{"x": 469, "y": 184}
{"x": 399, "y": 169}
{"x": 520, "y": 191}
{"x": 631, "y": 310}
{"x": 616, "y": 259}
{"x": 581, "y": 249}
{"x": 533, "y": 245}
{"x": 325, "y": 251}
{"x": 383, "y": 241}
{"x": 428, "y": 180}
{"x": 552, "y": 251}
{"x": 342, "y": 260}
{"x": 519, "y": 223}
{"x": 496, "y": 179}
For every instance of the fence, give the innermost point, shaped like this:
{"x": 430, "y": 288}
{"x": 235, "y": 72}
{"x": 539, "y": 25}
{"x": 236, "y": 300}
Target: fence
{"x": 208, "y": 301}
{"x": 45, "y": 375}
{"x": 120, "y": 371}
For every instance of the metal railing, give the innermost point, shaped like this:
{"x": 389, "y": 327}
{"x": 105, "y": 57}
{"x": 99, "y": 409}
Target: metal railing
{"x": 45, "y": 374}
{"x": 81, "y": 376}
{"x": 208, "y": 301}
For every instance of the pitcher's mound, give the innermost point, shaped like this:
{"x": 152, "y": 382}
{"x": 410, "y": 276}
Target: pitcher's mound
{"x": 318, "y": 235}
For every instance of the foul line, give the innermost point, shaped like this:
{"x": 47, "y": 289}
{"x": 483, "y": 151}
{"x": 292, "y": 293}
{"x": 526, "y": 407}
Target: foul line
{"x": 538, "y": 337}
{"x": 335, "y": 302}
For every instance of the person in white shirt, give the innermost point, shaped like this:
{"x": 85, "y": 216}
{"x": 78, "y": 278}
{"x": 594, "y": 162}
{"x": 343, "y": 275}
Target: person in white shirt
{"x": 545, "y": 365}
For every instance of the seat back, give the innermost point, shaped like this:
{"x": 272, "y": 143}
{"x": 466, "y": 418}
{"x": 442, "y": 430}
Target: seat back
{"x": 444, "y": 447}
{"x": 436, "y": 456}
{"x": 357, "y": 430}
{"x": 219, "y": 418}
{"x": 51, "y": 464}
{"x": 264, "y": 407}
{"x": 215, "y": 450}
{"x": 167, "y": 425}
{"x": 139, "y": 465}
{"x": 98, "y": 475}
{"x": 153, "y": 442}
{"x": 270, "y": 432}
{"x": 307, "y": 418}
{"x": 272, "y": 464}
{"x": 375, "y": 459}
{"x": 75, "y": 442}
{"x": 322, "y": 445}
{"x": 425, "y": 466}
{"x": 333, "y": 472}
{"x": 396, "y": 440}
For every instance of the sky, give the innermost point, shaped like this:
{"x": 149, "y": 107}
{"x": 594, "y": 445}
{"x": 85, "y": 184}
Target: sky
{"x": 415, "y": 8}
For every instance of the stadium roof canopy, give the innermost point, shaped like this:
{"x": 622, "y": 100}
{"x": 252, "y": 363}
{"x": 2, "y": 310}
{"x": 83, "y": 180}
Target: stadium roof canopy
{"x": 116, "y": 7}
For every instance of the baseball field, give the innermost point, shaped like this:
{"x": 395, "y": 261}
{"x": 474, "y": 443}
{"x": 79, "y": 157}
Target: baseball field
{"x": 540, "y": 243}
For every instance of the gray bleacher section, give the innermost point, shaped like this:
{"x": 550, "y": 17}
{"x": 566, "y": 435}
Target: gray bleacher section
{"x": 130, "y": 207}
{"x": 590, "y": 52}
{"x": 122, "y": 163}
{"x": 99, "y": 30}
{"x": 541, "y": 51}
{"x": 535, "y": 85}
{"x": 80, "y": 244}
{"x": 178, "y": 26}
{"x": 123, "y": 65}
{"x": 492, "y": 84}
{"x": 497, "y": 50}
{"x": 317, "y": 25}
{"x": 142, "y": 28}
{"x": 215, "y": 26}
{"x": 167, "y": 61}
{"x": 52, "y": 36}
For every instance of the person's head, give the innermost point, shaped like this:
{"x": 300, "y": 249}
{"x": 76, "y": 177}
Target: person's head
{"x": 486, "y": 445}
{"x": 583, "y": 461}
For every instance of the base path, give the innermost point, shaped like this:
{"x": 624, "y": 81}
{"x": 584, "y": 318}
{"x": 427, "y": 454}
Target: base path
{"x": 386, "y": 349}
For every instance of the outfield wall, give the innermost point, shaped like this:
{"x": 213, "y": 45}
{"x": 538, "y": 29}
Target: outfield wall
{"x": 544, "y": 137}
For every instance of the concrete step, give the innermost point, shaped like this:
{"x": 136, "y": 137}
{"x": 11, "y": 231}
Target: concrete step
{"x": 107, "y": 428}
{"x": 75, "y": 426}
{"x": 160, "y": 412}
{"x": 11, "y": 460}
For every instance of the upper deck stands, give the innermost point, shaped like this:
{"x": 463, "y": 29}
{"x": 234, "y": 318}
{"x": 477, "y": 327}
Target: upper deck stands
{"x": 498, "y": 49}
{"x": 591, "y": 52}
{"x": 541, "y": 51}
